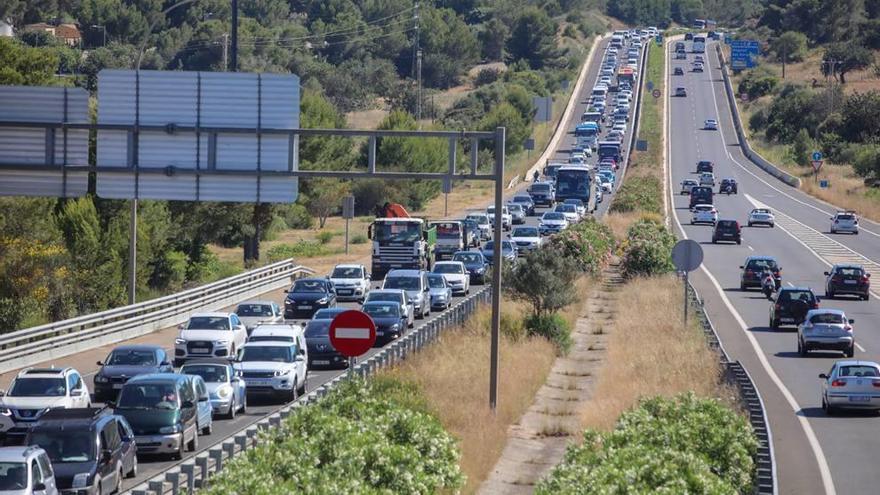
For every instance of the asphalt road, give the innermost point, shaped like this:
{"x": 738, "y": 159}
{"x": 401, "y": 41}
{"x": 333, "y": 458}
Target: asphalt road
{"x": 815, "y": 453}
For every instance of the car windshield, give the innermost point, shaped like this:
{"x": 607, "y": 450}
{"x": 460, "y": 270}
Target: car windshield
{"x": 38, "y": 387}
{"x": 467, "y": 257}
{"x": 522, "y": 199}
{"x": 383, "y": 296}
{"x": 850, "y": 272}
{"x": 148, "y": 396}
{"x": 254, "y": 310}
{"x": 405, "y": 283}
{"x": 828, "y": 318}
{"x": 397, "y": 231}
{"x": 515, "y": 208}
{"x": 525, "y": 232}
{"x": 208, "y": 323}
{"x": 436, "y": 282}
{"x": 318, "y": 328}
{"x": 553, "y": 215}
{"x": 211, "y": 373}
{"x": 565, "y": 208}
{"x": 727, "y": 224}
{"x": 575, "y": 202}
{"x": 312, "y": 286}
{"x": 760, "y": 211}
{"x": 278, "y": 354}
{"x": 270, "y": 338}
{"x": 347, "y": 272}
{"x": 480, "y": 219}
{"x": 132, "y": 357}
{"x": 759, "y": 265}
{"x": 540, "y": 187}
{"x": 386, "y": 310}
{"x": 65, "y": 445}
{"x": 326, "y": 313}
{"x": 858, "y": 370}
{"x": 845, "y": 217}
{"x": 13, "y": 476}
{"x": 507, "y": 246}
{"x": 447, "y": 268}
{"x": 794, "y": 295}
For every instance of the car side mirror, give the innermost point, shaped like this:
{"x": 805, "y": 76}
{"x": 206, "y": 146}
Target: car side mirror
{"x": 823, "y": 376}
{"x": 851, "y": 321}
{"x": 165, "y": 363}
{"x": 100, "y": 363}
{"x": 868, "y": 275}
{"x": 40, "y": 487}
{"x": 826, "y": 273}
{"x": 818, "y": 299}
{"x": 2, "y": 393}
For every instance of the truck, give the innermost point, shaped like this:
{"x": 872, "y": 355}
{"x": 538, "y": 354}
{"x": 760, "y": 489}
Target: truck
{"x": 450, "y": 238}
{"x": 400, "y": 241}
{"x": 626, "y": 75}
{"x": 609, "y": 149}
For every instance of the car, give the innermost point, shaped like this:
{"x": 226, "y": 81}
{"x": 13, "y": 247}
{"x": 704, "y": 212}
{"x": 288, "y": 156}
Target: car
{"x": 698, "y": 58}
{"x": 827, "y": 329}
{"x": 351, "y": 281}
{"x": 552, "y": 222}
{"x": 389, "y": 317}
{"x": 440, "y": 292}
{"x": 517, "y": 213}
{"x": 688, "y": 36}
{"x": 704, "y": 214}
{"x": 327, "y": 314}
{"x": 542, "y": 193}
{"x": 472, "y": 232}
{"x": 125, "y": 362}
{"x": 253, "y": 313}
{"x": 321, "y": 353}
{"x": 680, "y": 56}
{"x": 687, "y": 185}
{"x": 162, "y": 410}
{"x": 790, "y": 306}
{"x": 415, "y": 284}
{"x": 845, "y": 221}
{"x": 36, "y": 390}
{"x": 508, "y": 251}
{"x": 456, "y": 275}
{"x": 204, "y": 409}
{"x": 526, "y": 202}
{"x": 579, "y": 204}
{"x": 707, "y": 179}
{"x": 615, "y": 135}
{"x": 761, "y": 216}
{"x": 91, "y": 450}
{"x": 506, "y": 217}
{"x": 710, "y": 125}
{"x": 705, "y": 166}
{"x": 227, "y": 391}
{"x": 527, "y": 239}
{"x": 700, "y": 195}
{"x": 396, "y": 295}
{"x": 278, "y": 332}
{"x": 605, "y": 184}
{"x": 728, "y": 186}
{"x": 483, "y": 223}
{"x": 276, "y": 369}
{"x": 849, "y": 279}
{"x": 727, "y": 230}
{"x": 752, "y": 269}
{"x": 698, "y": 67}
{"x": 570, "y": 212}
{"x": 678, "y": 71}
{"x": 26, "y": 470}
{"x": 308, "y": 295}
{"x": 619, "y": 126}
{"x": 475, "y": 264}
{"x": 680, "y": 92}
{"x": 851, "y": 384}
{"x": 208, "y": 335}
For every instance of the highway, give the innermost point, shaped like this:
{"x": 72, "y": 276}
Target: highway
{"x": 814, "y": 453}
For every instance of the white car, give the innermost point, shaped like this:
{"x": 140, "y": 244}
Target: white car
{"x": 398, "y": 296}
{"x": 704, "y": 214}
{"x": 254, "y": 313}
{"x": 826, "y": 329}
{"x": 710, "y": 125}
{"x": 687, "y": 185}
{"x": 851, "y": 384}
{"x": 761, "y": 216}
{"x": 707, "y": 179}
{"x": 845, "y": 221}
{"x": 457, "y": 277}
{"x": 506, "y": 217}
{"x": 552, "y": 222}
{"x": 483, "y": 223}
{"x": 36, "y": 390}
{"x": 527, "y": 239}
{"x": 619, "y": 126}
{"x": 605, "y": 184}
{"x": 627, "y": 93}
{"x": 277, "y": 369}
{"x": 352, "y": 282}
{"x": 209, "y": 335}
{"x": 281, "y": 332}
{"x": 569, "y": 211}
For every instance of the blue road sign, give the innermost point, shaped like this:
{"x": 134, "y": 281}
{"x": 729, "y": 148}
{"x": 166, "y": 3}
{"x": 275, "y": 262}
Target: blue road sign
{"x": 743, "y": 53}
{"x": 650, "y": 85}
{"x": 823, "y": 184}
{"x": 659, "y": 39}
{"x": 816, "y": 155}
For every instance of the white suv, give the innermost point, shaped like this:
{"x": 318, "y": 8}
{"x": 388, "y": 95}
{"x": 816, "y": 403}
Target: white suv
{"x": 209, "y": 335}
{"x": 274, "y": 368}
{"x": 36, "y": 390}
{"x": 352, "y": 282}
{"x": 506, "y": 217}
{"x": 845, "y": 221}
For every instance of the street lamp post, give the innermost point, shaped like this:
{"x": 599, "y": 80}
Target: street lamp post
{"x": 104, "y": 29}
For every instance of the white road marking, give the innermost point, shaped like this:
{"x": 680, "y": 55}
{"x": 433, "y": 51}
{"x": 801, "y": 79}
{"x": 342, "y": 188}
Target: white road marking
{"x": 750, "y": 248}
{"x": 824, "y": 470}
{"x": 859, "y": 347}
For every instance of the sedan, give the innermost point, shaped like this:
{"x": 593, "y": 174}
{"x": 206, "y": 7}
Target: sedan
{"x": 581, "y": 207}
{"x": 389, "y": 317}
{"x": 710, "y": 125}
{"x": 456, "y": 275}
{"x": 253, "y": 313}
{"x": 680, "y": 56}
{"x": 527, "y": 239}
{"x": 761, "y": 216}
{"x": 307, "y": 296}
{"x": 226, "y": 390}
{"x": 474, "y": 263}
{"x": 704, "y": 214}
{"x": 552, "y": 222}
{"x": 570, "y": 212}
{"x": 517, "y": 213}
{"x": 321, "y": 351}
{"x": 681, "y": 91}
{"x": 678, "y": 71}
{"x": 508, "y": 251}
{"x": 687, "y": 185}
{"x": 526, "y": 202}
{"x": 619, "y": 126}
{"x": 826, "y": 329}
{"x": 125, "y": 362}
{"x": 439, "y": 291}
{"x": 851, "y": 384}
{"x": 698, "y": 67}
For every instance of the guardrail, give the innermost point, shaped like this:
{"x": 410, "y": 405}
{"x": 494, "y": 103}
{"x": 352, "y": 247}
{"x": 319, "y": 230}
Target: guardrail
{"x": 195, "y": 473}
{"x": 63, "y": 338}
{"x": 747, "y": 150}
{"x": 735, "y": 374}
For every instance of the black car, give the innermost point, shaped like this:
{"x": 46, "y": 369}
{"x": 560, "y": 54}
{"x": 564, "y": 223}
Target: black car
{"x": 688, "y": 36}
{"x": 542, "y": 193}
{"x": 526, "y": 202}
{"x": 681, "y": 92}
{"x": 308, "y": 295}
{"x": 322, "y": 354}
{"x": 701, "y": 195}
{"x": 848, "y": 279}
{"x": 475, "y": 264}
{"x": 125, "y": 362}
{"x": 754, "y": 267}
{"x": 389, "y": 317}
{"x": 728, "y": 186}
{"x": 727, "y": 230}
{"x": 90, "y": 449}
{"x": 791, "y": 305}
{"x": 678, "y": 71}
{"x": 705, "y": 166}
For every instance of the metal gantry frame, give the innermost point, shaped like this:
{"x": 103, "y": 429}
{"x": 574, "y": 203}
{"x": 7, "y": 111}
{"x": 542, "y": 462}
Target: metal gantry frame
{"x": 498, "y": 138}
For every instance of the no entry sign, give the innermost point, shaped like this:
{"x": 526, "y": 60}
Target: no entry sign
{"x": 352, "y": 333}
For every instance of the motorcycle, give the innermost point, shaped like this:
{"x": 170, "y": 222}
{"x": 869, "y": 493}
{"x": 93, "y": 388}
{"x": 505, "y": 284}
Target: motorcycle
{"x": 768, "y": 286}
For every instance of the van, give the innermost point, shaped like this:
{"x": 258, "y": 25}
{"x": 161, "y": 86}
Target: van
{"x": 600, "y": 91}
{"x": 162, "y": 409}
{"x": 415, "y": 284}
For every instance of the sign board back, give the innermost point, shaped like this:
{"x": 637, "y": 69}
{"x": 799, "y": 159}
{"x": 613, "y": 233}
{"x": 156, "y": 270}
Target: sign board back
{"x": 352, "y": 333}
{"x": 687, "y": 255}
{"x": 348, "y": 207}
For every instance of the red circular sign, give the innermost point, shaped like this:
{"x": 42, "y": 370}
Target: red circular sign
{"x": 352, "y": 333}
{"x": 656, "y": 93}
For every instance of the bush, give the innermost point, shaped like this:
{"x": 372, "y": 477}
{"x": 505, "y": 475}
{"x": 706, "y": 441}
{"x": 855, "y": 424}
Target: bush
{"x": 325, "y": 236}
{"x": 297, "y": 217}
{"x": 647, "y": 249}
{"x": 800, "y": 148}
{"x": 301, "y": 249}
{"x": 169, "y": 272}
{"x": 553, "y": 328}
{"x": 588, "y": 244}
{"x": 359, "y": 239}
{"x": 545, "y": 280}
{"x": 486, "y": 76}
{"x": 757, "y": 84}
{"x": 639, "y": 194}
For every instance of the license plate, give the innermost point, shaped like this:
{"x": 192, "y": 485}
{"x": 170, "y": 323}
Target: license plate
{"x": 303, "y": 307}
{"x": 849, "y": 282}
{"x": 321, "y": 361}
{"x": 117, "y": 386}
{"x": 859, "y": 398}
{"x": 786, "y": 320}
{"x": 200, "y": 350}
{"x": 344, "y": 292}
{"x": 259, "y": 383}
{"x": 380, "y": 333}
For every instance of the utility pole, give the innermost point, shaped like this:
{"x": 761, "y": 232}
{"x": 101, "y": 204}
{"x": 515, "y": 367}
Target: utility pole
{"x": 419, "y": 91}
{"x": 225, "y": 52}
{"x": 784, "y": 56}
{"x": 415, "y": 39}
{"x": 234, "y": 55}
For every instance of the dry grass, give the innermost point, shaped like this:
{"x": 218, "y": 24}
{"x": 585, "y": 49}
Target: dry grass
{"x": 620, "y": 222}
{"x": 453, "y": 376}
{"x": 651, "y": 357}
{"x": 811, "y": 68}
{"x": 366, "y": 119}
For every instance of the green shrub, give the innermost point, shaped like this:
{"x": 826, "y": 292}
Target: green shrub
{"x": 512, "y": 327}
{"x": 545, "y": 281}
{"x": 325, "y": 236}
{"x": 169, "y": 272}
{"x": 486, "y": 76}
{"x": 363, "y": 437}
{"x": 553, "y": 328}
{"x": 359, "y": 239}
{"x": 757, "y": 83}
{"x": 300, "y": 249}
{"x": 297, "y": 217}
{"x": 639, "y": 194}
{"x": 647, "y": 249}
{"x": 589, "y": 244}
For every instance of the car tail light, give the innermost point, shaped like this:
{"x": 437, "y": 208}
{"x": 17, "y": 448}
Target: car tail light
{"x": 864, "y": 279}
{"x": 836, "y": 278}
{"x": 778, "y": 307}
{"x": 839, "y": 383}
{"x": 876, "y": 383}
{"x": 815, "y": 305}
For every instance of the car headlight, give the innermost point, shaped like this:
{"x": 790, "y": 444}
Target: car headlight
{"x": 101, "y": 379}
{"x": 179, "y": 341}
{"x": 224, "y": 391}
{"x": 81, "y": 480}
{"x": 441, "y": 297}
{"x": 5, "y": 411}
{"x": 223, "y": 343}
{"x": 395, "y": 327}
{"x": 282, "y": 372}
{"x": 167, "y": 430}
{"x": 323, "y": 300}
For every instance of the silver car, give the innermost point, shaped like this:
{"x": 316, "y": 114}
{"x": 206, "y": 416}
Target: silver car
{"x": 826, "y": 329}
{"x": 517, "y": 213}
{"x": 253, "y": 313}
{"x": 851, "y": 384}
{"x": 226, "y": 390}
{"x": 441, "y": 293}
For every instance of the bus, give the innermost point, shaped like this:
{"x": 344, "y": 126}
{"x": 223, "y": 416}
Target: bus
{"x": 573, "y": 182}
{"x": 699, "y": 45}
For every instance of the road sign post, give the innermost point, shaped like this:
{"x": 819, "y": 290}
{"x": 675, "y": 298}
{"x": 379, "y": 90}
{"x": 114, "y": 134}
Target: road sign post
{"x": 687, "y": 256}
{"x": 347, "y": 214}
{"x": 817, "y": 164}
{"x": 352, "y": 333}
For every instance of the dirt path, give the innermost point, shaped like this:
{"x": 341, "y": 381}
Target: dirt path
{"x": 537, "y": 442}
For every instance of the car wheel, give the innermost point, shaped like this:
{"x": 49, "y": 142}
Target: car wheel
{"x": 833, "y": 232}
{"x": 851, "y": 351}
{"x": 194, "y": 443}
{"x": 801, "y": 349}
{"x": 739, "y": 241}
{"x": 774, "y": 324}
{"x": 714, "y": 241}
{"x": 208, "y": 429}
{"x": 304, "y": 386}
{"x": 829, "y": 409}
{"x": 180, "y": 449}
{"x": 742, "y": 286}
{"x": 750, "y": 224}
{"x": 233, "y": 408}
{"x": 829, "y": 294}
{"x": 134, "y": 468}
{"x": 118, "y": 487}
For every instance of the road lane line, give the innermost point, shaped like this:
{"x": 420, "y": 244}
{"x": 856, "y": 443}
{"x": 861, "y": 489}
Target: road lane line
{"x": 815, "y": 446}
{"x": 859, "y": 347}
{"x": 750, "y": 248}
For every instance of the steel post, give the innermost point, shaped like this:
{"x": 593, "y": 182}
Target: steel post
{"x": 496, "y": 268}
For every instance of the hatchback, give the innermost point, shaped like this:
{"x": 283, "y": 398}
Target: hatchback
{"x": 851, "y": 384}
{"x": 704, "y": 214}
{"x": 727, "y": 230}
{"x": 826, "y": 329}
{"x": 791, "y": 305}
{"x": 848, "y": 279}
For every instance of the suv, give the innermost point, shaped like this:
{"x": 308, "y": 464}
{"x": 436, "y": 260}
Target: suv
{"x": 701, "y": 195}
{"x": 482, "y": 221}
{"x": 253, "y": 313}
{"x": 281, "y": 332}
{"x": 848, "y": 279}
{"x": 826, "y": 329}
{"x": 26, "y": 470}
{"x": 542, "y": 193}
{"x": 728, "y": 186}
{"x": 90, "y": 449}
{"x": 352, "y": 282}
{"x": 37, "y": 390}
{"x": 127, "y": 361}
{"x": 727, "y": 230}
{"x": 845, "y": 221}
{"x": 790, "y": 306}
{"x": 208, "y": 335}
{"x": 705, "y": 166}
{"x": 415, "y": 284}
{"x": 752, "y": 269}
{"x": 506, "y": 217}
{"x": 274, "y": 368}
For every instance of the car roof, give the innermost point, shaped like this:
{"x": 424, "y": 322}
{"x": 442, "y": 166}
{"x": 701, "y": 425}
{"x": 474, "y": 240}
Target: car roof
{"x": 467, "y": 252}
{"x": 265, "y": 302}
{"x": 268, "y": 343}
{"x": 210, "y": 314}
{"x": 18, "y": 453}
{"x": 158, "y": 378}
{"x": 271, "y": 327}
{"x": 405, "y": 273}
{"x": 378, "y": 303}
{"x": 856, "y": 362}
{"x": 813, "y": 312}
{"x": 385, "y": 291}
{"x": 311, "y": 279}
{"x": 447, "y": 262}
{"x": 137, "y": 347}
{"x": 760, "y": 257}
{"x": 796, "y": 288}
{"x": 848, "y": 265}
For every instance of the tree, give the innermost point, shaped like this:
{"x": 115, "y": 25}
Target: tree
{"x": 533, "y": 39}
{"x": 801, "y": 147}
{"x": 326, "y": 198}
{"x": 545, "y": 281}
{"x": 449, "y": 47}
{"x": 867, "y": 161}
{"x": 789, "y": 46}
{"x": 506, "y": 115}
{"x": 858, "y": 121}
{"x": 25, "y": 66}
{"x": 685, "y": 11}
{"x": 845, "y": 57}
{"x": 493, "y": 37}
